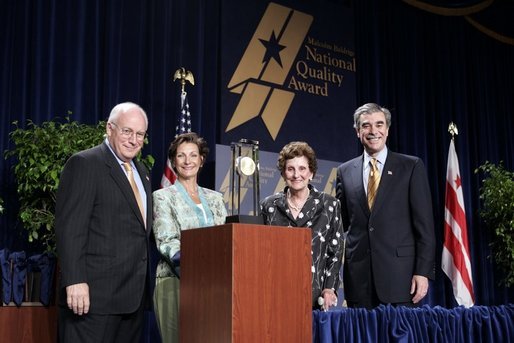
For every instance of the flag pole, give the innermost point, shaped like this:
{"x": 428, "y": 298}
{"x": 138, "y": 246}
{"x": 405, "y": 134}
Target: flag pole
{"x": 182, "y": 75}
{"x": 452, "y": 129}
{"x": 183, "y": 123}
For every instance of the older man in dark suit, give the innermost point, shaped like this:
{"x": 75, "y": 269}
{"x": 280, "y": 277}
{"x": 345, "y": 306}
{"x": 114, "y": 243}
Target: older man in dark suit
{"x": 103, "y": 222}
{"x": 387, "y": 213}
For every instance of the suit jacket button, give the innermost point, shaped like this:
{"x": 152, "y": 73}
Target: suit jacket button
{"x": 371, "y": 229}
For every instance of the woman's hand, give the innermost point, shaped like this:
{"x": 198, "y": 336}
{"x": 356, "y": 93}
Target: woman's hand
{"x": 329, "y": 299}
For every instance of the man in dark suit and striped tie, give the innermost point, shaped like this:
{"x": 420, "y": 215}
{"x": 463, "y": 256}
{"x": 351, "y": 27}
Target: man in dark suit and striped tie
{"x": 386, "y": 209}
{"x": 103, "y": 222}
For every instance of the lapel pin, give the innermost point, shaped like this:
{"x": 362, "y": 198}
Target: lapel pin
{"x": 389, "y": 172}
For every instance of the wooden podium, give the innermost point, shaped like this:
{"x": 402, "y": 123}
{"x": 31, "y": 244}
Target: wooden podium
{"x": 28, "y": 323}
{"x": 245, "y": 283}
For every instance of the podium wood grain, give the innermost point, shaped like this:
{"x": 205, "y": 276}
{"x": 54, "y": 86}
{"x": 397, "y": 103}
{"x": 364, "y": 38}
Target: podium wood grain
{"x": 245, "y": 283}
{"x": 27, "y": 324}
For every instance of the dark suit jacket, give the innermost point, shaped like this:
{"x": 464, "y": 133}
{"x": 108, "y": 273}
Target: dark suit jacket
{"x": 101, "y": 237}
{"x": 396, "y": 239}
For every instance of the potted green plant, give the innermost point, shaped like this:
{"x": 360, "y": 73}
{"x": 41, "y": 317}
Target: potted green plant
{"x": 41, "y": 152}
{"x": 497, "y": 195}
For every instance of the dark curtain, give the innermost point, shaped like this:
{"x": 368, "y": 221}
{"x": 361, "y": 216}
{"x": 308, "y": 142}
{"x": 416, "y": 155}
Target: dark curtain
{"x": 433, "y": 68}
{"x": 80, "y": 58}
{"x": 60, "y": 57}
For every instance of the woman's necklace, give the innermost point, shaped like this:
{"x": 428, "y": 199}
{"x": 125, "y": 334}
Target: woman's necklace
{"x": 193, "y": 192}
{"x": 295, "y": 206}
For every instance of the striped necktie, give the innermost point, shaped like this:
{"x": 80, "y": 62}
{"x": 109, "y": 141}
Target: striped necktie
{"x": 130, "y": 176}
{"x": 373, "y": 181}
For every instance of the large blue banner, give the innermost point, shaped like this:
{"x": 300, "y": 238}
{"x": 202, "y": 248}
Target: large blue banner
{"x": 288, "y": 74}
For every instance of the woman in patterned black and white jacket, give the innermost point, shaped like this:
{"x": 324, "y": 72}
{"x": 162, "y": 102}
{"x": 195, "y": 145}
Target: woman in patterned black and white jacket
{"x": 301, "y": 205}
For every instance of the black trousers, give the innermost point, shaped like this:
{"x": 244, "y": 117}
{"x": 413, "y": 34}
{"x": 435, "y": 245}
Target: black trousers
{"x": 371, "y": 300}
{"x": 105, "y": 328}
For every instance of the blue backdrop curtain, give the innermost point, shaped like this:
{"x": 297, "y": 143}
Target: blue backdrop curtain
{"x": 429, "y": 68}
{"x": 82, "y": 57}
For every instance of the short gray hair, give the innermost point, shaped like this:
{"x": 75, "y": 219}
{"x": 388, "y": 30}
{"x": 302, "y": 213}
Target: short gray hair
{"x": 370, "y": 108}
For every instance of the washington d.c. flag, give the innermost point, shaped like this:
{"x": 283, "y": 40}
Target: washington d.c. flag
{"x": 456, "y": 262}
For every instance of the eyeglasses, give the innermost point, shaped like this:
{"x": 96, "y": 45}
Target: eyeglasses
{"x": 126, "y": 132}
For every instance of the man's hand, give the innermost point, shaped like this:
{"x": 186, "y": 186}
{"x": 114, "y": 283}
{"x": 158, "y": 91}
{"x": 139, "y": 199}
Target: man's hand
{"x": 419, "y": 287}
{"x": 77, "y": 297}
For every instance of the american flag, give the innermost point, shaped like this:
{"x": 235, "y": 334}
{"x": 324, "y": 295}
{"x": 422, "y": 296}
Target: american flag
{"x": 183, "y": 126}
{"x": 456, "y": 262}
